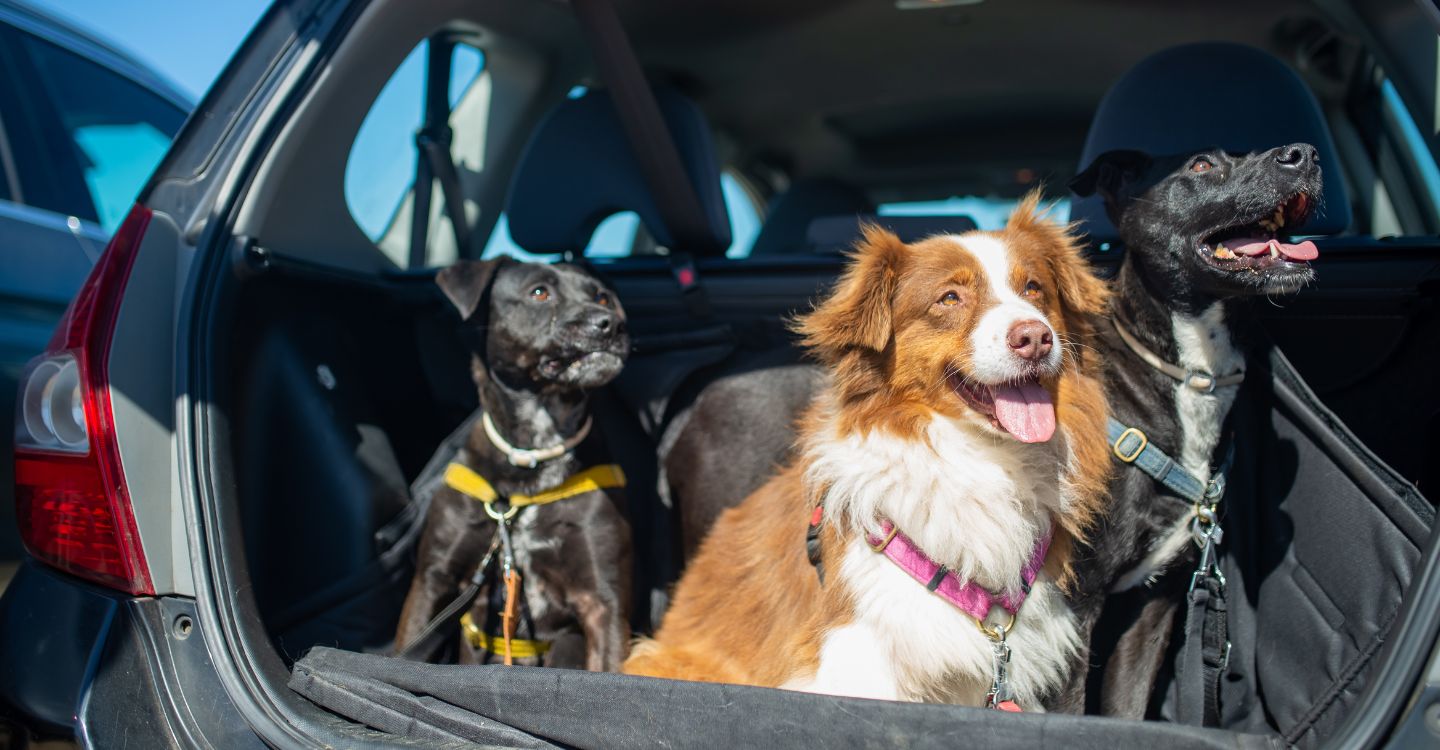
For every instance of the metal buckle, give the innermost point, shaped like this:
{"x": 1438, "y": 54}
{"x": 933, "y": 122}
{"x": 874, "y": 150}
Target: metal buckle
{"x": 1200, "y": 380}
{"x": 880, "y": 547}
{"x": 1130, "y": 459}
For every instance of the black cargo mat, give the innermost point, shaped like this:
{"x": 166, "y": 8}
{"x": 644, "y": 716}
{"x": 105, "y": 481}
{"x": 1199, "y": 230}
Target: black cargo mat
{"x": 534, "y": 707}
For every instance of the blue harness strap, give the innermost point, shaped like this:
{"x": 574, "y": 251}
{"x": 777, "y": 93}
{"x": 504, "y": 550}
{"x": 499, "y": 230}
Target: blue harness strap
{"x": 1132, "y": 446}
{"x": 1205, "y": 654}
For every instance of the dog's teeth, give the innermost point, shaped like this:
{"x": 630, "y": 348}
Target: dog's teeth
{"x": 1224, "y": 253}
{"x": 1274, "y": 251}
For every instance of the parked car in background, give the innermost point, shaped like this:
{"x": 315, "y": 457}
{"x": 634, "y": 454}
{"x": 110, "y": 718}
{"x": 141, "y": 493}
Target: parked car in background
{"x": 82, "y": 126}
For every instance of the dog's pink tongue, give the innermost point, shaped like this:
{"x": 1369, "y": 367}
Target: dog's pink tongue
{"x": 1259, "y": 246}
{"x": 1025, "y": 411}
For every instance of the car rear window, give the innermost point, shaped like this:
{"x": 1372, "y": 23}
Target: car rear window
{"x": 989, "y": 213}
{"x": 622, "y": 235}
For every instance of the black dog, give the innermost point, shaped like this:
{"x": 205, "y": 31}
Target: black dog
{"x": 1202, "y": 234}
{"x": 540, "y": 336}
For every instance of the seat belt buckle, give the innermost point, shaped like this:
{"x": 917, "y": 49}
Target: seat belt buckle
{"x": 682, "y": 267}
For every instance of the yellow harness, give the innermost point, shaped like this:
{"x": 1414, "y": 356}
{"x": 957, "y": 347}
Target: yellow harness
{"x": 464, "y": 480}
{"x": 520, "y": 648}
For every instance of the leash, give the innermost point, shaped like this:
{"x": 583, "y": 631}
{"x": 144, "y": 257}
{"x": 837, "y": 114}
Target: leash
{"x": 1206, "y": 652}
{"x": 432, "y": 637}
{"x": 967, "y": 596}
{"x": 529, "y": 458}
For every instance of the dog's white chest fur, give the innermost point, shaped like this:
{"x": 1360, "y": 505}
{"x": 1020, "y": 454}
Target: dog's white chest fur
{"x": 1202, "y": 343}
{"x": 977, "y": 503}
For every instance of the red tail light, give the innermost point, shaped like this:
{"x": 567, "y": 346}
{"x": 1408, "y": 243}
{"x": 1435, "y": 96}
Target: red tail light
{"x": 71, "y": 501}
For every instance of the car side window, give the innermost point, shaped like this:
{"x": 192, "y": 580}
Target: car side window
{"x": 380, "y": 171}
{"x": 109, "y": 130}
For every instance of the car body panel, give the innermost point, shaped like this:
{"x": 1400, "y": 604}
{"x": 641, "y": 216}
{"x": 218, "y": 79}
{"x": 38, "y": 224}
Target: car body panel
{"x": 49, "y": 653}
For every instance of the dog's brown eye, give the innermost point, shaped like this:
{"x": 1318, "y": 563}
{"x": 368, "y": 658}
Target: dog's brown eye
{"x": 950, "y": 298}
{"x": 1201, "y": 165}
{"x": 602, "y": 299}
{"x": 540, "y": 294}
{"x": 1032, "y": 288}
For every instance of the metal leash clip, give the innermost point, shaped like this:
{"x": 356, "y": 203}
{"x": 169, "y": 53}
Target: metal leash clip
{"x": 1206, "y": 530}
{"x": 1000, "y": 690}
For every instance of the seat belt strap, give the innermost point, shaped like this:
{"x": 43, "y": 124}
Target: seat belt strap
{"x": 432, "y": 144}
{"x": 653, "y": 146}
{"x": 650, "y": 138}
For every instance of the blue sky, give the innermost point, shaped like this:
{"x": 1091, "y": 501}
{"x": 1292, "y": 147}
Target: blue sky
{"x": 188, "y": 41}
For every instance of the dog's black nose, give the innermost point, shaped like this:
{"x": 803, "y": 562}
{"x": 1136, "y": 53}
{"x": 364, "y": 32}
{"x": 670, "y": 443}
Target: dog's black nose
{"x": 1296, "y": 155}
{"x": 602, "y": 323}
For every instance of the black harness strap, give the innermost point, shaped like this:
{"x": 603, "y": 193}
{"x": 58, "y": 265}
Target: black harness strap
{"x": 1205, "y": 655}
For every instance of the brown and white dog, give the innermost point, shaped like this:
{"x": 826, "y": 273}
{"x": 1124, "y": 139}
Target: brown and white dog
{"x": 963, "y": 413}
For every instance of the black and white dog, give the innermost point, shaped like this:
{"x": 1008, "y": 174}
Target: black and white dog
{"x": 541, "y": 337}
{"x": 1204, "y": 234}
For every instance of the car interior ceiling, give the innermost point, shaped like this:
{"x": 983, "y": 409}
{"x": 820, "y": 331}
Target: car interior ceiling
{"x": 348, "y": 372}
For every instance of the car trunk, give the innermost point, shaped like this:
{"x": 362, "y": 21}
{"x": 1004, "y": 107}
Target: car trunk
{"x": 342, "y": 385}
{"x": 323, "y": 394}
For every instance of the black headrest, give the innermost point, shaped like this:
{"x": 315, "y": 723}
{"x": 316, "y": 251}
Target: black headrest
{"x": 837, "y": 234}
{"x": 792, "y": 211}
{"x": 1211, "y": 94}
{"x": 578, "y": 169}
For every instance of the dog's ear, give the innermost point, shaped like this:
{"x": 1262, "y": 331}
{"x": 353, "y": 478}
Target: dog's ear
{"x": 858, "y": 313}
{"x": 1079, "y": 289}
{"x": 466, "y": 282}
{"x": 1109, "y": 173}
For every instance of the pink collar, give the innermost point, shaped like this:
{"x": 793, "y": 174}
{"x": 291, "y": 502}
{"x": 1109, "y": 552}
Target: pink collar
{"x": 969, "y": 596}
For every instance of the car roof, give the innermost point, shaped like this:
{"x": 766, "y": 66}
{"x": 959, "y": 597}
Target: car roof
{"x": 60, "y": 32}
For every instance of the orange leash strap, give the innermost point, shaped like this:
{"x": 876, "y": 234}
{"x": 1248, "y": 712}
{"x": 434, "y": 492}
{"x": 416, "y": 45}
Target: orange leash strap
{"x": 507, "y": 616}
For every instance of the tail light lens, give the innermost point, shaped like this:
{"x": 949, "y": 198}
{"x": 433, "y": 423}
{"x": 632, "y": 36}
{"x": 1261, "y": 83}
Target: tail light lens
{"x": 72, "y": 504}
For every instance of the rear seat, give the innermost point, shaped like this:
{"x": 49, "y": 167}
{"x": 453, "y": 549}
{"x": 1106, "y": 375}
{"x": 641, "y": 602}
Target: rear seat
{"x": 829, "y": 235}
{"x": 792, "y": 213}
{"x": 578, "y": 169}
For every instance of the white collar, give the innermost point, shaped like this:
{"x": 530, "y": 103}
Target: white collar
{"x": 529, "y": 458}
